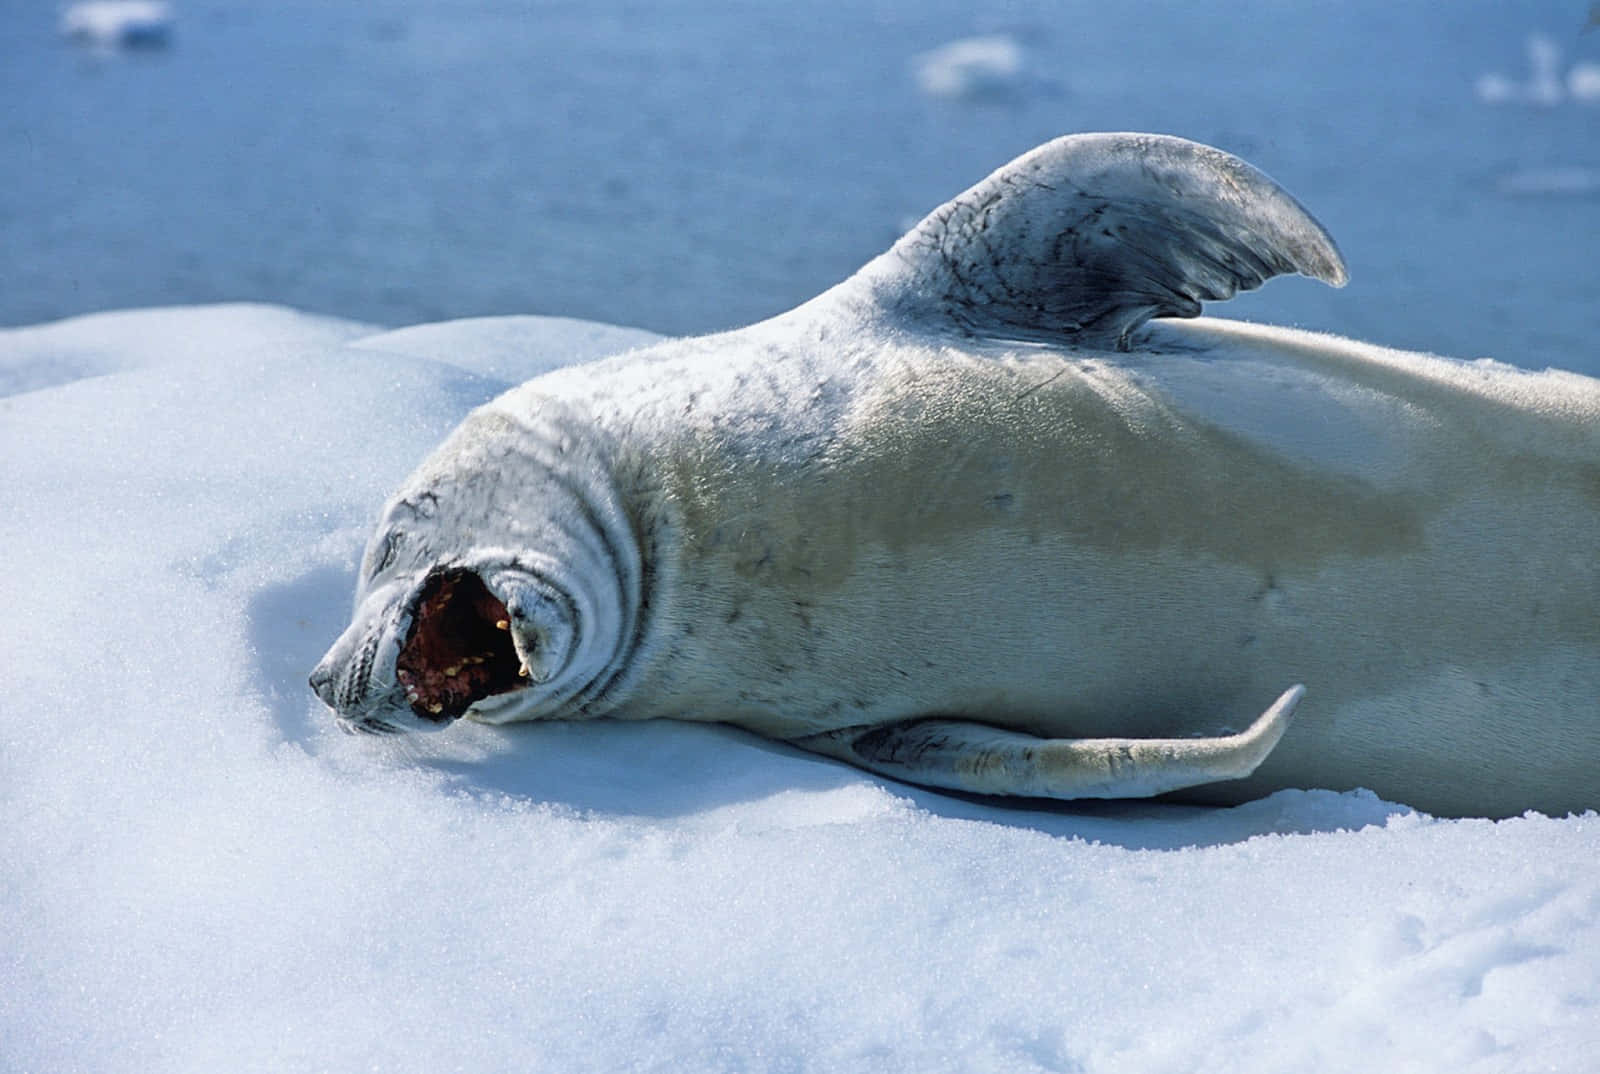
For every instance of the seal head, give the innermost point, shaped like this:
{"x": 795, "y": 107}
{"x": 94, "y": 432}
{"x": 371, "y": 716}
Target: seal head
{"x": 499, "y": 599}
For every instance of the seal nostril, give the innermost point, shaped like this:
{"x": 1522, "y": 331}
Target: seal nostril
{"x": 321, "y": 682}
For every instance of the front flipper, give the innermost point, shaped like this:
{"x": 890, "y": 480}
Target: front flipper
{"x": 1089, "y": 236}
{"x": 963, "y": 756}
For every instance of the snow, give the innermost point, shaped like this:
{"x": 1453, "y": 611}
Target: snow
{"x": 1543, "y": 85}
{"x": 110, "y": 24}
{"x": 1583, "y": 82}
{"x": 972, "y": 68}
{"x": 197, "y": 873}
{"x": 200, "y": 874}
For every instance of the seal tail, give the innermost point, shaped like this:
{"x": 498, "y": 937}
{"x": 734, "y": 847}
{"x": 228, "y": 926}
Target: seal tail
{"x": 961, "y": 756}
{"x": 1090, "y": 235}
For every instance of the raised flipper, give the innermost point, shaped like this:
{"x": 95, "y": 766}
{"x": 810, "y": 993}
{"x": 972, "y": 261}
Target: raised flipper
{"x": 1088, "y": 236}
{"x": 962, "y": 756}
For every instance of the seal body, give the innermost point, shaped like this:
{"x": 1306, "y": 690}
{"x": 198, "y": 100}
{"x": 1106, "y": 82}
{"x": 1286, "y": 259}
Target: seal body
{"x": 938, "y": 523}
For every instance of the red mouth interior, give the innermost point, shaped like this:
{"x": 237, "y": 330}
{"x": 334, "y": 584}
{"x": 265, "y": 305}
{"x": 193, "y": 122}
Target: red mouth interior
{"x": 459, "y": 649}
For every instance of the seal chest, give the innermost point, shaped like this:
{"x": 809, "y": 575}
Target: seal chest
{"x": 940, "y": 523}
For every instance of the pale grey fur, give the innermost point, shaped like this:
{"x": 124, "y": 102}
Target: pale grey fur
{"x": 932, "y": 522}
{"x": 1093, "y": 235}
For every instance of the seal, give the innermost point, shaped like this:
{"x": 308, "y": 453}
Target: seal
{"x": 972, "y": 519}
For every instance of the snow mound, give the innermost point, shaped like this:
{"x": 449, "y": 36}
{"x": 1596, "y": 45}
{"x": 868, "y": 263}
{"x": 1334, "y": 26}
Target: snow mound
{"x": 510, "y": 348}
{"x": 112, "y": 24}
{"x": 40, "y": 356}
{"x": 200, "y": 874}
{"x": 984, "y": 68}
{"x": 1583, "y": 82}
{"x": 1545, "y": 85}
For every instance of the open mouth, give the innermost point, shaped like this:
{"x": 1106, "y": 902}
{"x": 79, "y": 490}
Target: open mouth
{"x": 459, "y": 649}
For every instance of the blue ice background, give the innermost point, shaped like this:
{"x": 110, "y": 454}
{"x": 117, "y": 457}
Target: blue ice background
{"x": 689, "y": 166}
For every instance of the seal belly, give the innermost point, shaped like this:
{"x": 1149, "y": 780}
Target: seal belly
{"x": 1050, "y": 543}
{"x": 983, "y": 538}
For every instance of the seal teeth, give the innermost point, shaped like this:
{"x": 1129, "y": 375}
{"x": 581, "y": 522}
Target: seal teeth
{"x": 502, "y": 624}
{"x": 523, "y": 671}
{"x": 453, "y": 657}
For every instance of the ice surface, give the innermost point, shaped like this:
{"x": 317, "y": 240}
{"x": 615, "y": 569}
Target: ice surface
{"x": 197, "y": 873}
{"x": 513, "y": 349}
{"x": 109, "y": 24}
{"x": 76, "y": 348}
{"x": 972, "y": 68}
{"x": 1583, "y": 82}
{"x": 1545, "y": 84}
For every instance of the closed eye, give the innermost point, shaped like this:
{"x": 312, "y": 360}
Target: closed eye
{"x": 384, "y": 555}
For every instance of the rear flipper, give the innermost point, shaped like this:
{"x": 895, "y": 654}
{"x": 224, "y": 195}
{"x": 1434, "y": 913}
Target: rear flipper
{"x": 963, "y": 756}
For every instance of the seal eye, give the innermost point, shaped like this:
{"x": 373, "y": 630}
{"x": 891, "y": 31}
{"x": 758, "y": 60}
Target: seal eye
{"x": 382, "y": 557}
{"x": 457, "y": 651}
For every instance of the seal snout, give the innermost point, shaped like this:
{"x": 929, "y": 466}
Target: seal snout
{"x": 459, "y": 649}
{"x": 322, "y": 680}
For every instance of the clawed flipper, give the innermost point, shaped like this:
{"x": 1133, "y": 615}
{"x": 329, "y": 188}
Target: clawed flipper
{"x": 964, "y": 756}
{"x": 1087, "y": 237}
